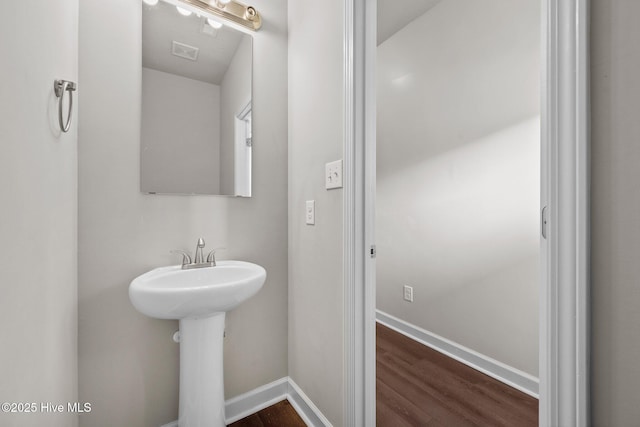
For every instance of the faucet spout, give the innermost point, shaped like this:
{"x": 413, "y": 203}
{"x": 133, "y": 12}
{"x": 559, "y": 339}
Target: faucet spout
{"x": 199, "y": 257}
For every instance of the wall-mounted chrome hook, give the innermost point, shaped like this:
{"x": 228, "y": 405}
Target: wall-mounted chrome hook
{"x": 60, "y": 87}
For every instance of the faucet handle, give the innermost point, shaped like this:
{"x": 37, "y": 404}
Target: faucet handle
{"x": 212, "y": 255}
{"x": 186, "y": 258}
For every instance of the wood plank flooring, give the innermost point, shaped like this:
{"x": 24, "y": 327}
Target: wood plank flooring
{"x": 281, "y": 414}
{"x": 417, "y": 386}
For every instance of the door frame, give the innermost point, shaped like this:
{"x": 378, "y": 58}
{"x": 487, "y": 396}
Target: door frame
{"x": 242, "y": 152}
{"x": 565, "y": 181}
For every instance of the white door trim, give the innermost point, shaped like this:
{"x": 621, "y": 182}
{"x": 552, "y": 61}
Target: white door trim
{"x": 564, "y": 297}
{"x": 564, "y": 302}
{"x": 359, "y": 365}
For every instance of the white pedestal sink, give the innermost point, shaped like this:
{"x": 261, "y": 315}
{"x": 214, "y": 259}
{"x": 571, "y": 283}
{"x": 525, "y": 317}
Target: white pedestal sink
{"x": 199, "y": 298}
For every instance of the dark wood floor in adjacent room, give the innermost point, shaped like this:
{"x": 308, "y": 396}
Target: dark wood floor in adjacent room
{"x": 281, "y": 414}
{"x": 418, "y": 386}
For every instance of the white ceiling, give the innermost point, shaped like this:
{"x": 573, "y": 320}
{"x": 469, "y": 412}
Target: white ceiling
{"x": 393, "y": 15}
{"x": 162, "y": 24}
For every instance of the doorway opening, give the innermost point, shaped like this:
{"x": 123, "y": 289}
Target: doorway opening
{"x": 457, "y": 209}
{"x": 564, "y": 194}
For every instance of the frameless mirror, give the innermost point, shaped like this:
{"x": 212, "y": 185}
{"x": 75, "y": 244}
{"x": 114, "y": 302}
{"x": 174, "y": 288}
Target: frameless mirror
{"x": 196, "y": 104}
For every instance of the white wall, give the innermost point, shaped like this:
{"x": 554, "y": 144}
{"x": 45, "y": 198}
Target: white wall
{"x": 235, "y": 93}
{"x": 316, "y": 330}
{"x": 458, "y": 175}
{"x": 38, "y": 212}
{"x": 180, "y": 134}
{"x": 128, "y": 363}
{"x": 615, "y": 205}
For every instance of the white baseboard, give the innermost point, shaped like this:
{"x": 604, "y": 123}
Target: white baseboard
{"x": 256, "y": 400}
{"x": 511, "y": 376}
{"x": 311, "y": 415}
{"x": 264, "y": 396}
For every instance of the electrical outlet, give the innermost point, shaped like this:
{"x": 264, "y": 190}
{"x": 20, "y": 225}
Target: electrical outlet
{"x": 333, "y": 175}
{"x": 408, "y": 293}
{"x": 310, "y": 213}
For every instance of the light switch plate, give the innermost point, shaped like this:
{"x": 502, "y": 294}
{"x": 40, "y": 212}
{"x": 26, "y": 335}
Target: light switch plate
{"x": 333, "y": 175}
{"x": 310, "y": 213}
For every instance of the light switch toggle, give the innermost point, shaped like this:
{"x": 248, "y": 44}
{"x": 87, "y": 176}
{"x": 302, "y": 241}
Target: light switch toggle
{"x": 333, "y": 175}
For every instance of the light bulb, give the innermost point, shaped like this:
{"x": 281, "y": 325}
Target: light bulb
{"x": 151, "y": 2}
{"x": 183, "y": 12}
{"x": 215, "y": 24}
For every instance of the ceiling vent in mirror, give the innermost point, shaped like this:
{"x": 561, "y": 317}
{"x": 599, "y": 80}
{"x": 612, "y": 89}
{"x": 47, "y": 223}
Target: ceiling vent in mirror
{"x": 184, "y": 51}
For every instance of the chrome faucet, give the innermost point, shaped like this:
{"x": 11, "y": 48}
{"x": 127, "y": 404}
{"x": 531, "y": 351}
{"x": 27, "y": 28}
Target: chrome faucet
{"x": 198, "y": 260}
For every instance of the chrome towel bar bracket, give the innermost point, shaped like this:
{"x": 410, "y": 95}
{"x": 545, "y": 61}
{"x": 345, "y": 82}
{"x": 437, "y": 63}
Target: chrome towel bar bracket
{"x": 60, "y": 87}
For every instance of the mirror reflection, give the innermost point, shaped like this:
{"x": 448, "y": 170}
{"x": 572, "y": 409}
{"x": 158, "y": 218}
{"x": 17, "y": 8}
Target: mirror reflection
{"x": 196, "y": 104}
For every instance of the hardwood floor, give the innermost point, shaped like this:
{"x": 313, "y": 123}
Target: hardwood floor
{"x": 417, "y": 386}
{"x": 281, "y": 414}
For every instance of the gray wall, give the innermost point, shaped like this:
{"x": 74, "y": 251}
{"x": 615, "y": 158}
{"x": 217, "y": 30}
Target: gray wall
{"x": 315, "y": 252}
{"x": 458, "y": 176}
{"x": 615, "y": 205}
{"x": 128, "y": 363}
{"x": 38, "y": 212}
{"x": 180, "y": 134}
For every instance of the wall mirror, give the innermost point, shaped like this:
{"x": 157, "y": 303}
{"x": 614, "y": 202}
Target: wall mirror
{"x": 196, "y": 103}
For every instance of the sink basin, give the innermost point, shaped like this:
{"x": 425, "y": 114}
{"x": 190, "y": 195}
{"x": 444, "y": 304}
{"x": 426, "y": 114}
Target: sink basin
{"x": 199, "y": 298}
{"x": 173, "y": 293}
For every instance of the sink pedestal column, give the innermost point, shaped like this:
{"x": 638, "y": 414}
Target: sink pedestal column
{"x": 201, "y": 375}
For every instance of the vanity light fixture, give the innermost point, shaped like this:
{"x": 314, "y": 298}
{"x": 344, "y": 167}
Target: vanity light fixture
{"x": 214, "y": 24}
{"x": 151, "y": 2}
{"x": 183, "y": 11}
{"x": 230, "y": 10}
